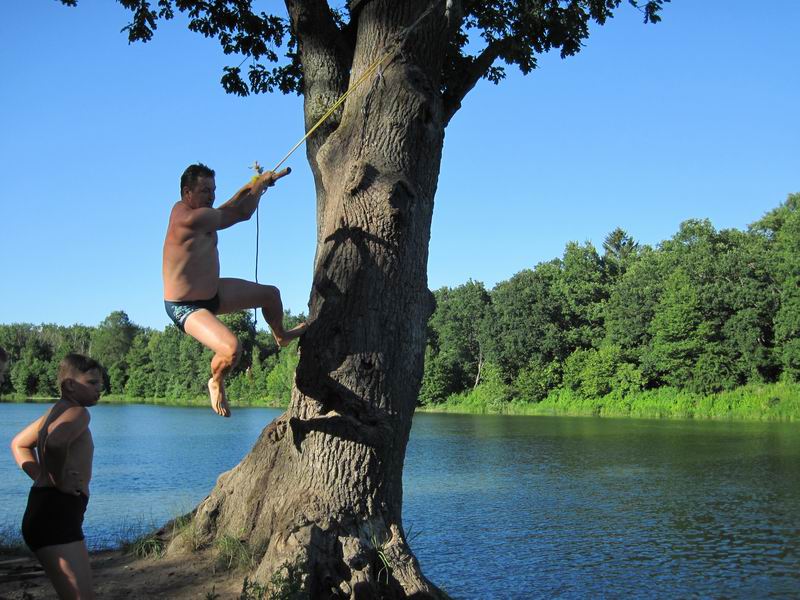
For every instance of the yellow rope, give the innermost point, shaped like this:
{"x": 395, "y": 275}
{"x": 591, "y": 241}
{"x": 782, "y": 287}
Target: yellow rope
{"x": 370, "y": 70}
{"x": 363, "y": 77}
{"x": 336, "y": 105}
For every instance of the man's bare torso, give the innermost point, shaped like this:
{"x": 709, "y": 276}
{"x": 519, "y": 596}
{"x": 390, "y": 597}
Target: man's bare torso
{"x": 190, "y": 266}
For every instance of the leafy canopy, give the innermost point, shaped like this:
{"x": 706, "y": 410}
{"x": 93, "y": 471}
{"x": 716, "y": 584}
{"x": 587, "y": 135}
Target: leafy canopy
{"x": 480, "y": 33}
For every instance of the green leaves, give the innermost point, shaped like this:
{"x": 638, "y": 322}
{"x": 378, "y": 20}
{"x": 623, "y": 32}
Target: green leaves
{"x": 514, "y": 32}
{"x": 707, "y": 311}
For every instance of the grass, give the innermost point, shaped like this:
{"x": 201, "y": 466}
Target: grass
{"x": 232, "y": 553}
{"x": 385, "y": 568}
{"x": 147, "y": 546}
{"x": 754, "y": 402}
{"x": 152, "y": 545}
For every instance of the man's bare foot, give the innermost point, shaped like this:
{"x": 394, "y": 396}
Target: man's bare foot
{"x": 285, "y": 338}
{"x": 219, "y": 403}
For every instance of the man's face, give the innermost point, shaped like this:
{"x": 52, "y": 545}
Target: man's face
{"x": 202, "y": 194}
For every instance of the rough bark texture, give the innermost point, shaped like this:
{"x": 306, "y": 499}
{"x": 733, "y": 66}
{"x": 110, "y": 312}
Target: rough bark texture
{"x": 322, "y": 488}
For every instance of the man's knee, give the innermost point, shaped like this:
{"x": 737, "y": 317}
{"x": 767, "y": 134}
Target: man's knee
{"x": 272, "y": 295}
{"x": 230, "y": 352}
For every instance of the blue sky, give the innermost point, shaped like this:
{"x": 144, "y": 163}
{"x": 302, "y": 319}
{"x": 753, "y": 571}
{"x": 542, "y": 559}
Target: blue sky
{"x": 648, "y": 126}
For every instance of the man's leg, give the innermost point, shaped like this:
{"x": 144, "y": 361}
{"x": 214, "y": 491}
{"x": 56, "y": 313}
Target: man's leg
{"x": 207, "y": 329}
{"x": 67, "y": 567}
{"x": 238, "y": 294}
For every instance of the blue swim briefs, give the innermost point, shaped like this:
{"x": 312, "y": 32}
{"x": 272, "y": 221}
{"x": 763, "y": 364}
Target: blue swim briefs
{"x": 179, "y": 311}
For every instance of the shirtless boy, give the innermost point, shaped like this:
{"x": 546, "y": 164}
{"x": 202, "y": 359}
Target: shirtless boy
{"x": 194, "y": 293}
{"x": 56, "y": 452}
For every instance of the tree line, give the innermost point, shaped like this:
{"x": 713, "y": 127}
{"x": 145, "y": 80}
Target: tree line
{"x": 705, "y": 311}
{"x": 142, "y": 362}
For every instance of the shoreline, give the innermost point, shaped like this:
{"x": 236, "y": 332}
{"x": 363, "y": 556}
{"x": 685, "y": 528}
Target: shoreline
{"x": 778, "y": 402}
{"x": 199, "y": 401}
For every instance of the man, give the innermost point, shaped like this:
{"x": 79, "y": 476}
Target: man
{"x": 194, "y": 293}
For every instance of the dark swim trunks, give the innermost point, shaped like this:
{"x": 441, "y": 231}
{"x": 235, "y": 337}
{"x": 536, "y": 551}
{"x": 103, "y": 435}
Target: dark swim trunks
{"x": 53, "y": 517}
{"x": 178, "y": 311}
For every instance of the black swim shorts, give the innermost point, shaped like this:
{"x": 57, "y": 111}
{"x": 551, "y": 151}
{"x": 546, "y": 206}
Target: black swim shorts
{"x": 53, "y": 517}
{"x": 178, "y": 311}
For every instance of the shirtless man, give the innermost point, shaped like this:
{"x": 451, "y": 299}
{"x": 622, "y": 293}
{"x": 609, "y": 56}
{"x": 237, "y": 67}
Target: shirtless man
{"x": 194, "y": 293}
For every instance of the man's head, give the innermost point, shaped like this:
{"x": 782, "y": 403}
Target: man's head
{"x": 198, "y": 186}
{"x": 80, "y": 379}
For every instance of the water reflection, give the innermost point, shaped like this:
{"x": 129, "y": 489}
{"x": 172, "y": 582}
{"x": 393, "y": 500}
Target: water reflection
{"x": 590, "y": 507}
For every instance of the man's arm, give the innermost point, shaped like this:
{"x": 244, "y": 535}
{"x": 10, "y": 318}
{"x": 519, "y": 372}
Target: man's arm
{"x": 22, "y": 448}
{"x": 239, "y": 208}
{"x": 244, "y": 202}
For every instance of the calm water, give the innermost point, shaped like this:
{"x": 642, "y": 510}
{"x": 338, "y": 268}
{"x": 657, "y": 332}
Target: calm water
{"x": 504, "y": 507}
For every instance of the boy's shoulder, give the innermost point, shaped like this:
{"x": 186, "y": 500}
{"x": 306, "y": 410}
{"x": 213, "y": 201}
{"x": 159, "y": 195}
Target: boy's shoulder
{"x": 68, "y": 410}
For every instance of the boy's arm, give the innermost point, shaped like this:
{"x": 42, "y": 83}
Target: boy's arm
{"x": 60, "y": 434}
{"x": 239, "y": 208}
{"x": 22, "y": 448}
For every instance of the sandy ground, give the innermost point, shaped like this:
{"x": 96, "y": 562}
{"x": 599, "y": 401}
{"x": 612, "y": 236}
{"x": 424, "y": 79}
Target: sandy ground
{"x": 118, "y": 576}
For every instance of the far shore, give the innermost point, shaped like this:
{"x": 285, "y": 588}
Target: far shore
{"x": 755, "y": 402}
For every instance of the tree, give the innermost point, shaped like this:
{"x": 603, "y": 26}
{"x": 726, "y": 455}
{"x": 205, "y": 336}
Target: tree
{"x": 583, "y": 289}
{"x": 678, "y": 333}
{"x": 111, "y": 342}
{"x": 633, "y": 301}
{"x": 528, "y": 320}
{"x": 619, "y": 251}
{"x": 375, "y": 162}
{"x": 457, "y": 340}
{"x": 32, "y": 375}
{"x": 785, "y": 223}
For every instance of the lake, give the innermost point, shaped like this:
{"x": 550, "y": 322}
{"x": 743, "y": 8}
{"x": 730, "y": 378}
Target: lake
{"x": 502, "y": 506}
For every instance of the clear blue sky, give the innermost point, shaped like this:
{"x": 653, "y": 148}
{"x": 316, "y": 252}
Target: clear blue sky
{"x": 695, "y": 117}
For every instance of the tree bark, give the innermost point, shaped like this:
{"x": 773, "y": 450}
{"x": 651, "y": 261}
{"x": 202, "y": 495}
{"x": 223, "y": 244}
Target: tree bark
{"x": 322, "y": 488}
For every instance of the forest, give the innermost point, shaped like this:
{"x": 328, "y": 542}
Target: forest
{"x": 704, "y": 312}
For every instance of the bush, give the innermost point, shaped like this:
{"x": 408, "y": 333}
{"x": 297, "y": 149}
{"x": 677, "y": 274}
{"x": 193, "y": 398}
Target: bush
{"x": 536, "y": 380}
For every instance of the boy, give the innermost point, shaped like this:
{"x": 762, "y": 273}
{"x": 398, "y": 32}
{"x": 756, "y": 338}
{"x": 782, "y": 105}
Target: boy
{"x": 61, "y": 467}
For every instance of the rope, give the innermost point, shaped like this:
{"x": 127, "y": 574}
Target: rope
{"x": 370, "y": 70}
{"x": 255, "y": 310}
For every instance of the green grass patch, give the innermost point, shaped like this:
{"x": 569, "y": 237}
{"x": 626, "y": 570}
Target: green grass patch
{"x": 754, "y": 402}
{"x": 232, "y": 553}
{"x": 147, "y": 546}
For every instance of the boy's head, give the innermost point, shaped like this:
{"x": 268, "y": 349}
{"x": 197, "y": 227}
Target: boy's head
{"x": 80, "y": 379}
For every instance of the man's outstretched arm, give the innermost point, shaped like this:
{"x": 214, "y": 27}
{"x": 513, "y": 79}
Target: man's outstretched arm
{"x": 244, "y": 202}
{"x": 239, "y": 208}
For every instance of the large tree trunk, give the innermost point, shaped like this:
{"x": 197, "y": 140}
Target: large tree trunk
{"x": 322, "y": 488}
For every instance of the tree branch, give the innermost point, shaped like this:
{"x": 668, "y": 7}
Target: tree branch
{"x": 472, "y": 70}
{"x": 325, "y": 57}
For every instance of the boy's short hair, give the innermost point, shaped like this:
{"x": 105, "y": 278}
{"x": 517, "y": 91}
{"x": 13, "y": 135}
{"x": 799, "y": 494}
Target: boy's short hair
{"x": 193, "y": 173}
{"x": 76, "y": 363}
